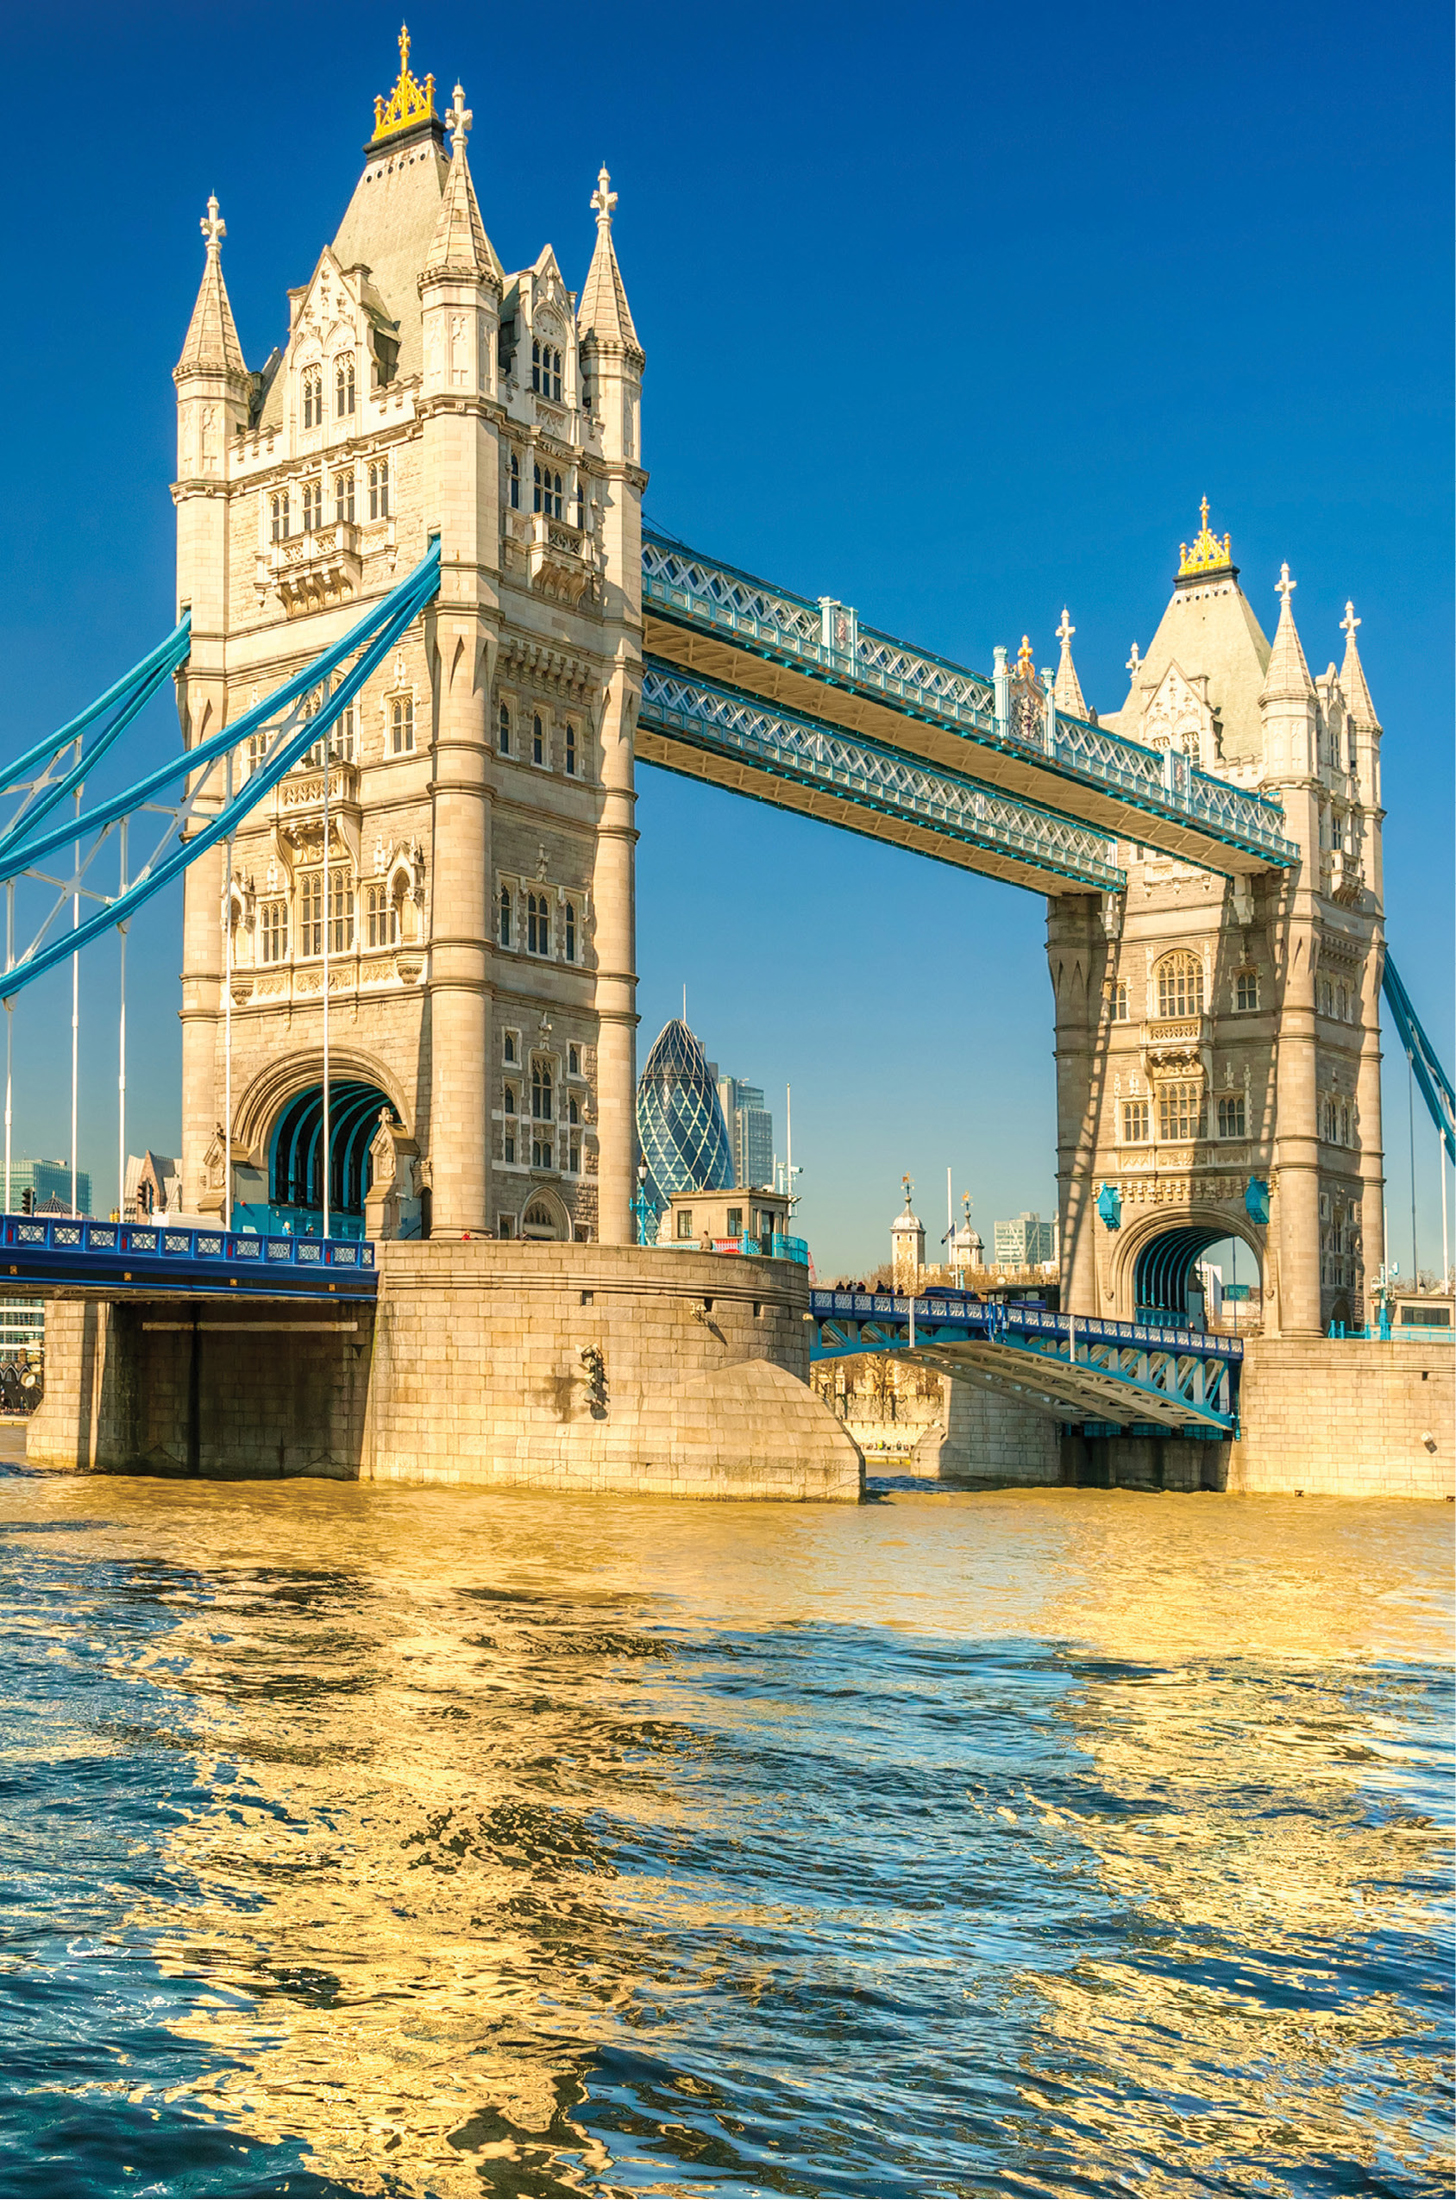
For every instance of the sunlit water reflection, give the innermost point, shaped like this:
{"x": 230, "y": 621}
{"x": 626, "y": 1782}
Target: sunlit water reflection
{"x": 1067, "y": 1842}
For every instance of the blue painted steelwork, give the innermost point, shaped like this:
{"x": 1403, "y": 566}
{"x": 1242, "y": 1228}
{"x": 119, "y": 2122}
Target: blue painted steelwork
{"x": 1142, "y": 1370}
{"x": 296, "y": 1157}
{"x": 727, "y": 723}
{"x": 790, "y": 1248}
{"x": 372, "y": 638}
{"x": 87, "y": 737}
{"x": 1425, "y": 1062}
{"x": 112, "y": 1260}
{"x": 825, "y": 643}
{"x": 1165, "y": 1271}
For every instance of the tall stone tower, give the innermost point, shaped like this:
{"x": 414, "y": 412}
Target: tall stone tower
{"x": 478, "y": 910}
{"x": 1218, "y": 1042}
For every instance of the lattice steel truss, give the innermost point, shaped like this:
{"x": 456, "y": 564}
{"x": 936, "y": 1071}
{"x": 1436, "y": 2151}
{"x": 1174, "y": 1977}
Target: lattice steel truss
{"x": 825, "y": 642}
{"x": 728, "y": 723}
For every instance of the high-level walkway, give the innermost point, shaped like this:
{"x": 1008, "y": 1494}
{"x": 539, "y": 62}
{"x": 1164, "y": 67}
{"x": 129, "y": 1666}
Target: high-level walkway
{"x": 715, "y": 637}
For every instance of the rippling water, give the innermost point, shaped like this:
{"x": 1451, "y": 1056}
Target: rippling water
{"x": 1062, "y": 1843}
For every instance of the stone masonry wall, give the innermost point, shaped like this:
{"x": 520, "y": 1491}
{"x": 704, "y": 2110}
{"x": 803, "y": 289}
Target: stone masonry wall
{"x": 704, "y": 1359}
{"x": 162, "y": 1387}
{"x": 986, "y": 1438}
{"x": 1337, "y": 1419}
{"x": 470, "y": 1369}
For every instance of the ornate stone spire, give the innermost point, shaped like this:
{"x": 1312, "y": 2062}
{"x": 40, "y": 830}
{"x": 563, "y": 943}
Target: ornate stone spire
{"x": 460, "y": 245}
{"x": 1352, "y": 673}
{"x": 408, "y": 105}
{"x": 1287, "y": 677}
{"x": 1208, "y": 554}
{"x": 212, "y": 345}
{"x": 1067, "y": 692}
{"x": 604, "y": 313}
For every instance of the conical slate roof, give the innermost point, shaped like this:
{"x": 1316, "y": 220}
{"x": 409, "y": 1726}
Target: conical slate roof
{"x": 680, "y": 1122}
{"x": 604, "y": 312}
{"x": 212, "y": 336}
{"x": 1352, "y": 674}
{"x": 1067, "y": 694}
{"x": 460, "y": 245}
{"x": 1286, "y": 677}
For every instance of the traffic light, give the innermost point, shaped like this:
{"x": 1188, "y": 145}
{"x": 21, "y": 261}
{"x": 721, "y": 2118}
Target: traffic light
{"x": 27, "y": 1201}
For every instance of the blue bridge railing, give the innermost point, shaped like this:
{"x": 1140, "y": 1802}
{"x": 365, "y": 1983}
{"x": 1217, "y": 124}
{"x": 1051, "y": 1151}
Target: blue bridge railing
{"x": 132, "y": 1259}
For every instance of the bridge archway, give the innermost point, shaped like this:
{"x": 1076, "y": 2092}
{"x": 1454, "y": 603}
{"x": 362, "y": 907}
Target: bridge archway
{"x": 1155, "y": 1272}
{"x": 296, "y": 1156}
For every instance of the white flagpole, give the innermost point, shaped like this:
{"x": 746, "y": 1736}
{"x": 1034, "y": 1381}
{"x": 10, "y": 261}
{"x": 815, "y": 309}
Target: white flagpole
{"x": 9, "y": 1023}
{"x": 75, "y": 1008}
{"x": 121, "y": 1057}
{"x": 227, "y": 1027}
{"x": 328, "y": 919}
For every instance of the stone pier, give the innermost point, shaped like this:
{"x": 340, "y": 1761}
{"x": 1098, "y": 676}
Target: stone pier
{"x": 552, "y": 1366}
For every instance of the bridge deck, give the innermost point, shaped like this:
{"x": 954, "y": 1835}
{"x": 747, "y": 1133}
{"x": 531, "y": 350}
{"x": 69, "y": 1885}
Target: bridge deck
{"x": 1121, "y": 1374}
{"x": 68, "y": 1257}
{"x": 706, "y": 618}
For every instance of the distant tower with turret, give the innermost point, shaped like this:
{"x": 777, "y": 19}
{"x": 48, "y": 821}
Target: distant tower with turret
{"x": 1218, "y": 1040}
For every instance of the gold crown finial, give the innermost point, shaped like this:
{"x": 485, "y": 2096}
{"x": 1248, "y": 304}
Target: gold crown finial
{"x": 408, "y": 103}
{"x": 1208, "y": 554}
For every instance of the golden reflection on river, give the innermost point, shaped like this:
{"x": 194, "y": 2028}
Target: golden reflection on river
{"x": 1046, "y": 1842}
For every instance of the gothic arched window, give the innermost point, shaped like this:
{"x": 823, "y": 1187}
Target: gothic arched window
{"x": 570, "y": 930}
{"x": 505, "y": 935}
{"x": 515, "y": 483}
{"x": 313, "y": 506}
{"x": 279, "y": 512}
{"x": 538, "y": 925}
{"x": 1121, "y": 1009}
{"x": 538, "y": 740}
{"x": 1246, "y": 989}
{"x": 344, "y": 387}
{"x": 379, "y": 489}
{"x": 541, "y": 1092}
{"x": 1180, "y": 1110}
{"x": 344, "y": 497}
{"x": 503, "y": 728}
{"x": 313, "y": 397}
{"x": 570, "y": 750}
{"x": 1180, "y": 984}
{"x": 402, "y": 725}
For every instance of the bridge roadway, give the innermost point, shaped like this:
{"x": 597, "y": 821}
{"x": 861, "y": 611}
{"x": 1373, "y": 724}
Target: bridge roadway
{"x": 70, "y": 1257}
{"x": 1104, "y": 1376}
{"x": 711, "y": 628}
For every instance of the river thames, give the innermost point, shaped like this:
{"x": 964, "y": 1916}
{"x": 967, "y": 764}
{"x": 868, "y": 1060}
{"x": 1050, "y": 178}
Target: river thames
{"x": 1065, "y": 1842}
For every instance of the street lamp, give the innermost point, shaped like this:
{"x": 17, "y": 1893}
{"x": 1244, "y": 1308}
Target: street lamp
{"x": 644, "y": 1207}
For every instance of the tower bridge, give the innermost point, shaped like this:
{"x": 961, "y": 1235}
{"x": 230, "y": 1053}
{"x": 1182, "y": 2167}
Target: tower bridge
{"x": 423, "y": 640}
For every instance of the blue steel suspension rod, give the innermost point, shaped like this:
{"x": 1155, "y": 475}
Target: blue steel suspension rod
{"x": 218, "y": 744}
{"x": 165, "y": 658}
{"x": 1430, "y": 1076}
{"x": 409, "y": 600}
{"x": 45, "y": 795}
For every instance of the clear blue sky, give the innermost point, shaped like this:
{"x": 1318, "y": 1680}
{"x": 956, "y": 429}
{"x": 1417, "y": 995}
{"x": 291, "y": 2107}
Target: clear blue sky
{"x": 953, "y": 313}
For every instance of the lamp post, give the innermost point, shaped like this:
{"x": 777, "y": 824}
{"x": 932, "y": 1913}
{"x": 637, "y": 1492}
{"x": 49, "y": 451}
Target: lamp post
{"x": 644, "y": 1207}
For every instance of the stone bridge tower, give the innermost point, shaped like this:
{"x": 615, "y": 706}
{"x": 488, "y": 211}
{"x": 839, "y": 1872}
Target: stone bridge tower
{"x": 479, "y": 900}
{"x": 1218, "y": 1042}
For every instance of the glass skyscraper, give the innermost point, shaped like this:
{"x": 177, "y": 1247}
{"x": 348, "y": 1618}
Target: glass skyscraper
{"x": 750, "y": 1131}
{"x": 680, "y": 1120}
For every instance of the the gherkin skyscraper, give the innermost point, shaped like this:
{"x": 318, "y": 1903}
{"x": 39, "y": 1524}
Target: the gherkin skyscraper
{"x": 680, "y": 1119}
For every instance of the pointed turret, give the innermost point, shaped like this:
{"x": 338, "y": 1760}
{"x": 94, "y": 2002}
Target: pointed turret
{"x": 460, "y": 246}
{"x": 212, "y": 345}
{"x": 1352, "y": 674}
{"x": 1286, "y": 676}
{"x": 1068, "y": 690}
{"x": 604, "y": 314}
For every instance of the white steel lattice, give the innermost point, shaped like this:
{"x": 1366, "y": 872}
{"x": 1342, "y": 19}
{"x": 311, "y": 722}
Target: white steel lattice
{"x": 731, "y": 724}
